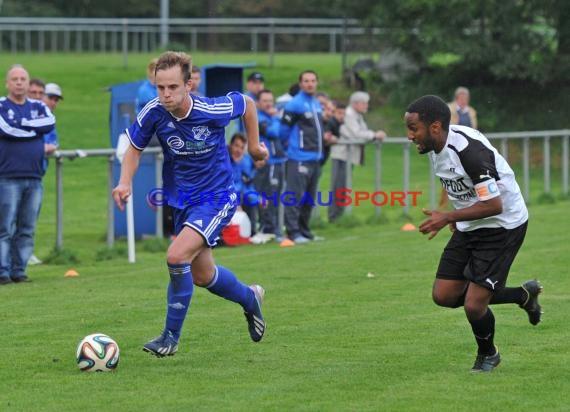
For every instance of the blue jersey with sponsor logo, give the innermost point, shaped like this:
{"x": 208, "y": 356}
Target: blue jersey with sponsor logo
{"x": 196, "y": 160}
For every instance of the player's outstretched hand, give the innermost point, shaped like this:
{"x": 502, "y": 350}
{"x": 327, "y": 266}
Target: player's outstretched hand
{"x": 121, "y": 194}
{"x": 435, "y": 222}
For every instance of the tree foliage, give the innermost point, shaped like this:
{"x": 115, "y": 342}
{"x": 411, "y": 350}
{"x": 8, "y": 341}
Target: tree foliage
{"x": 516, "y": 40}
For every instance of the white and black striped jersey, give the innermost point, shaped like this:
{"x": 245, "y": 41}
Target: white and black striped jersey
{"x": 470, "y": 170}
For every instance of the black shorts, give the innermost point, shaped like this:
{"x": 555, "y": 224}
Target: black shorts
{"x": 482, "y": 256}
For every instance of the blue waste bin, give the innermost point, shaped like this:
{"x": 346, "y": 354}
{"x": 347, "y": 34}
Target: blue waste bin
{"x": 218, "y": 80}
{"x": 123, "y": 97}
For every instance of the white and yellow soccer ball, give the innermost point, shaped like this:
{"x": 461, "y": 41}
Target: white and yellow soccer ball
{"x": 97, "y": 353}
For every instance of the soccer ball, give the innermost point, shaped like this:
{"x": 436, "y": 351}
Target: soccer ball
{"x": 97, "y": 353}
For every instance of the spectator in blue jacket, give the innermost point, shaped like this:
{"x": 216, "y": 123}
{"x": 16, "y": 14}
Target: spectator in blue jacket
{"x": 23, "y": 123}
{"x": 270, "y": 178}
{"x": 147, "y": 90}
{"x": 302, "y": 127}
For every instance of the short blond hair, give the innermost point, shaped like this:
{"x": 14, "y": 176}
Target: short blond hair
{"x": 171, "y": 59}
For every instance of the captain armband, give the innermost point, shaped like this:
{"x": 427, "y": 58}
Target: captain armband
{"x": 487, "y": 189}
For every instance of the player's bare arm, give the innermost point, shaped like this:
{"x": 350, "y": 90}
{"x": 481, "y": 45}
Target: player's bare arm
{"x": 439, "y": 219}
{"x": 256, "y": 149}
{"x": 128, "y": 168}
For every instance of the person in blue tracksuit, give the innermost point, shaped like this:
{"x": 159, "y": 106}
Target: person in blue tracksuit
{"x": 270, "y": 178}
{"x": 302, "y": 127}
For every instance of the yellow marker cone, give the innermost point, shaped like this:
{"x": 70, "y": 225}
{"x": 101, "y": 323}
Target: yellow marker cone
{"x": 71, "y": 273}
{"x": 408, "y": 227}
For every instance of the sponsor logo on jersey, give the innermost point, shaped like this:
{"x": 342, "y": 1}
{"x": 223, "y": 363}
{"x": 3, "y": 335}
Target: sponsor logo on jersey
{"x": 175, "y": 143}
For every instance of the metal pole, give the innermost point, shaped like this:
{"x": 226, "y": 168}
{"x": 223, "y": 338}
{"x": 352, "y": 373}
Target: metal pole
{"x": 194, "y": 39}
{"x": 110, "y": 204}
{"x": 505, "y": 148}
{"x": 348, "y": 174}
{"x": 272, "y": 44}
{"x": 565, "y": 165}
{"x": 547, "y": 164}
{"x": 343, "y": 45}
{"x": 377, "y": 174}
{"x": 526, "y": 170}
{"x": 253, "y": 45}
{"x": 125, "y": 39}
{"x": 131, "y": 229}
{"x": 59, "y": 202}
{"x": 164, "y": 16}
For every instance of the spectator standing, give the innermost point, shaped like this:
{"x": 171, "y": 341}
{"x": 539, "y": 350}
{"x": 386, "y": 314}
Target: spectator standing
{"x": 196, "y": 77}
{"x": 462, "y": 113}
{"x": 53, "y": 95}
{"x": 23, "y": 123}
{"x": 270, "y": 178}
{"x": 147, "y": 90}
{"x": 254, "y": 84}
{"x": 303, "y": 129}
{"x": 353, "y": 132}
{"x": 37, "y": 89}
{"x": 332, "y": 128}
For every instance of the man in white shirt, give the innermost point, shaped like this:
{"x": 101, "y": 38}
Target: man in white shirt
{"x": 489, "y": 224}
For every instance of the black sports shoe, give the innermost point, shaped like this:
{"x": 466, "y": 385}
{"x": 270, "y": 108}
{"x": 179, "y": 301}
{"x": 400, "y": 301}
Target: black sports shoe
{"x": 164, "y": 345}
{"x": 21, "y": 279}
{"x": 5, "y": 280}
{"x": 532, "y": 288}
{"x": 486, "y": 363}
{"x": 255, "y": 321}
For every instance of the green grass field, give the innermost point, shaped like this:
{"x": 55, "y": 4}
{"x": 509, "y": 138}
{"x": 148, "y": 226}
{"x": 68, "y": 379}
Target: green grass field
{"x": 337, "y": 340}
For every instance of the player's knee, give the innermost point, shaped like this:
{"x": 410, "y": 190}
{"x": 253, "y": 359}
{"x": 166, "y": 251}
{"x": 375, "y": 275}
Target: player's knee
{"x": 474, "y": 310}
{"x": 446, "y": 301}
{"x": 174, "y": 257}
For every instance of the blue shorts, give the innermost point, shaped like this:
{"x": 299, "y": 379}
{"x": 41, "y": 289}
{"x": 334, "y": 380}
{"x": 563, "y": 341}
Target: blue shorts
{"x": 208, "y": 219}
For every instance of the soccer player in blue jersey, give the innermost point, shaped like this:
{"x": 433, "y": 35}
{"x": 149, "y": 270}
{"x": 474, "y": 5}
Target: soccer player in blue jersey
{"x": 198, "y": 177}
{"x": 23, "y": 123}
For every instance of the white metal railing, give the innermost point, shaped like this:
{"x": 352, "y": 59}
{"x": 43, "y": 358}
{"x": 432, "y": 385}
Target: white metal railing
{"x": 29, "y": 34}
{"x": 406, "y": 145}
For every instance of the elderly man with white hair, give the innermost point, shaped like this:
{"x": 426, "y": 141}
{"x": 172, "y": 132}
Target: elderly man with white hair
{"x": 354, "y": 133}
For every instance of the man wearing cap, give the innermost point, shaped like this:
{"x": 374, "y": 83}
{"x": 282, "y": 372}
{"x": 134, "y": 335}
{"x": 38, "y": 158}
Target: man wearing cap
{"x": 353, "y": 134}
{"x": 255, "y": 84}
{"x": 52, "y": 96}
{"x": 23, "y": 123}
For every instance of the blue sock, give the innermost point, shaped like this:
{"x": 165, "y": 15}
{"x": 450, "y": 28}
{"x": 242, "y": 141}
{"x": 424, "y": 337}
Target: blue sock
{"x": 226, "y": 285}
{"x": 178, "y": 297}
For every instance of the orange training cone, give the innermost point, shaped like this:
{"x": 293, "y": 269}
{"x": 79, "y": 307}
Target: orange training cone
{"x": 408, "y": 227}
{"x": 71, "y": 273}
